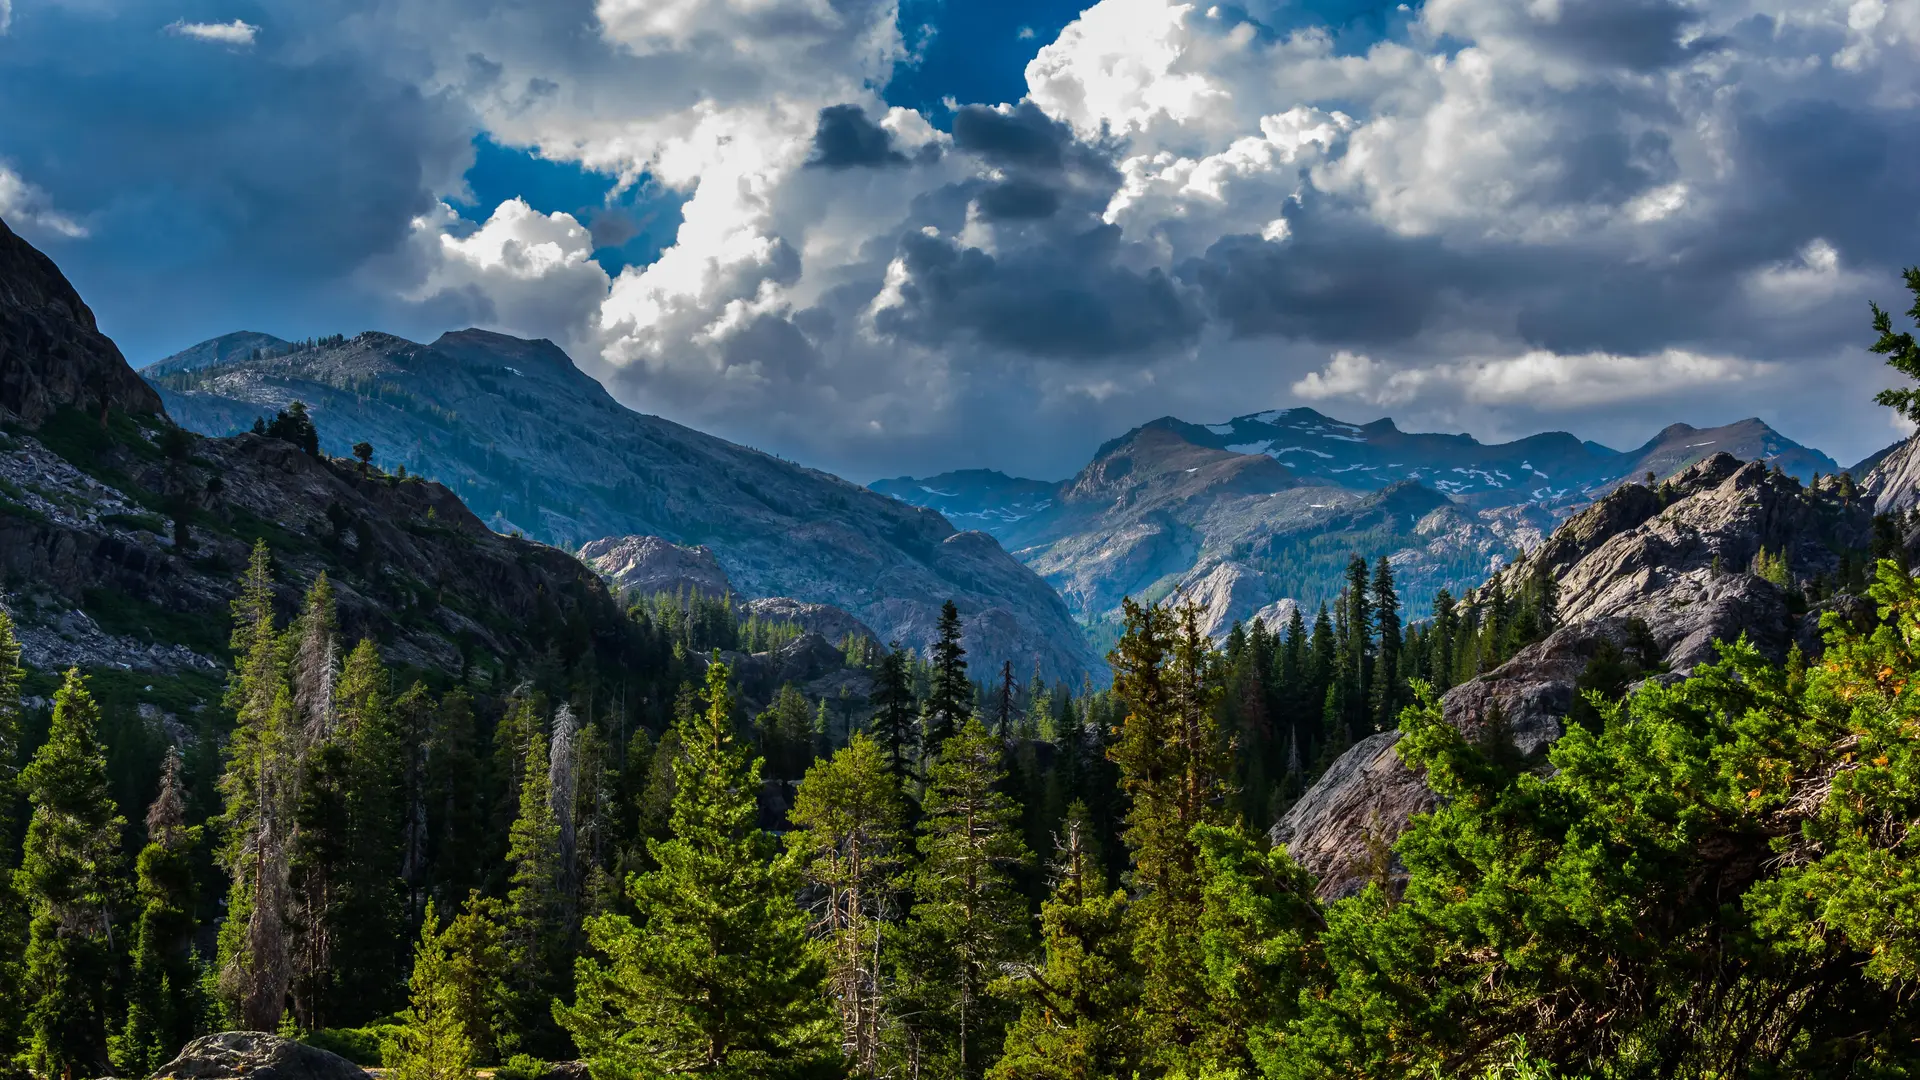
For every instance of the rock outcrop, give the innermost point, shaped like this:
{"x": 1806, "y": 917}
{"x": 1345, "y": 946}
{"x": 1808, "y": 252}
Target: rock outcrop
{"x": 1894, "y": 481}
{"x": 1657, "y": 575}
{"x": 256, "y": 1055}
{"x": 51, "y": 351}
{"x": 646, "y": 565}
{"x": 823, "y": 619}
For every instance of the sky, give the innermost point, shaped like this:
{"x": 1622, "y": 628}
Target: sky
{"x": 888, "y": 237}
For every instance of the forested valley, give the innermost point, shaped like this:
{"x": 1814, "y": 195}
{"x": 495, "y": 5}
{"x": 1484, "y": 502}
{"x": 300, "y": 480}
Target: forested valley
{"x": 983, "y": 878}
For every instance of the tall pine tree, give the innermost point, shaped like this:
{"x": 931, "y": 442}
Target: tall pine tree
{"x": 162, "y": 999}
{"x": 950, "y": 693}
{"x": 13, "y": 916}
{"x": 70, "y": 877}
{"x": 1388, "y": 693}
{"x": 717, "y": 975}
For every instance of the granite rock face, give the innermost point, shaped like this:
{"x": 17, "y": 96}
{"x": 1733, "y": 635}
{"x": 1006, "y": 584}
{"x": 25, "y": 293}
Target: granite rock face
{"x": 51, "y": 351}
{"x": 646, "y": 565}
{"x": 256, "y": 1055}
{"x": 1894, "y": 481}
{"x": 1659, "y": 574}
{"x": 823, "y": 619}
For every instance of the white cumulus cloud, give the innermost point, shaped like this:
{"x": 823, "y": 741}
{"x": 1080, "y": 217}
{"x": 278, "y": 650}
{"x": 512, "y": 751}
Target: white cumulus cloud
{"x": 22, "y": 203}
{"x": 236, "y": 33}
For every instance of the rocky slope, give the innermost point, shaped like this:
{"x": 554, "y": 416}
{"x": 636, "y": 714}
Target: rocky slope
{"x": 535, "y": 445}
{"x": 1267, "y": 507}
{"x": 1656, "y": 574}
{"x": 1893, "y": 481}
{"x": 121, "y": 536}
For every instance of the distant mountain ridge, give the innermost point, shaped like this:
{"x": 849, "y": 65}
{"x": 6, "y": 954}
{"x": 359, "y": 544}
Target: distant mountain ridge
{"x": 534, "y": 444}
{"x": 1267, "y": 507}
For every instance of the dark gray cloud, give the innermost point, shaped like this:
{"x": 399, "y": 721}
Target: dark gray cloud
{"x": 1070, "y": 299}
{"x": 218, "y": 182}
{"x": 848, "y": 139}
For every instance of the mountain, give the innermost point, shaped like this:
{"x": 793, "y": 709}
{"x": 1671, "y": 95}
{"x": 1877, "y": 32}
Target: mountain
{"x": 1268, "y": 507}
{"x": 535, "y": 445}
{"x": 221, "y": 350}
{"x": 122, "y": 536}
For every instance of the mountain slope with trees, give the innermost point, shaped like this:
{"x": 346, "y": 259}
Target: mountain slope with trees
{"x": 535, "y": 445}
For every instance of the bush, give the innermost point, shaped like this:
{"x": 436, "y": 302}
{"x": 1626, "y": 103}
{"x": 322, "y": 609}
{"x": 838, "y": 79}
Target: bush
{"x": 521, "y": 1067}
{"x": 361, "y": 1045}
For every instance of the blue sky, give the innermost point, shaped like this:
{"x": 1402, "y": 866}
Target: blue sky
{"x": 886, "y": 236}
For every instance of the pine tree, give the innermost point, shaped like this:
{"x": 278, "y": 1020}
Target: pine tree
{"x": 718, "y": 976}
{"x": 371, "y": 936}
{"x": 950, "y": 695}
{"x": 1902, "y": 353}
{"x": 849, "y": 838}
{"x": 969, "y": 917}
{"x": 1003, "y": 704}
{"x": 1357, "y": 673}
{"x": 1170, "y": 760}
{"x": 893, "y": 709}
{"x": 70, "y": 878}
{"x": 13, "y": 917}
{"x": 259, "y": 788}
{"x": 1075, "y": 1021}
{"x": 433, "y": 1042}
{"x": 1387, "y": 694}
{"x": 536, "y": 901}
{"x": 479, "y": 962}
{"x": 162, "y": 1010}
{"x": 456, "y": 816}
{"x": 1446, "y": 624}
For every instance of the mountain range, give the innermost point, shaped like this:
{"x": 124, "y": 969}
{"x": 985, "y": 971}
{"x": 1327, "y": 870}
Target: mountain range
{"x": 1261, "y": 512}
{"x": 536, "y": 446}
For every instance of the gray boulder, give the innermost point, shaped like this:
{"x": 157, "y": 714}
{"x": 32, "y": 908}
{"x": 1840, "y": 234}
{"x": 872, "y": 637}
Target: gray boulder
{"x": 645, "y": 565}
{"x": 824, "y": 619}
{"x": 256, "y": 1055}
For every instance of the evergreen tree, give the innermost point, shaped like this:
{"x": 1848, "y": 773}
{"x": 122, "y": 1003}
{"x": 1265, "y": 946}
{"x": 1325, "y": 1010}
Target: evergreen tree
{"x": 371, "y": 936}
{"x": 70, "y": 878}
{"x": 259, "y": 788}
{"x": 1003, "y": 704}
{"x": 785, "y": 732}
{"x": 162, "y": 1010}
{"x": 1902, "y": 353}
{"x": 1387, "y": 695}
{"x": 1171, "y": 767}
{"x": 849, "y": 833}
{"x": 433, "y": 1042}
{"x": 969, "y": 917}
{"x": 718, "y": 977}
{"x": 13, "y": 917}
{"x": 1075, "y": 1021}
{"x": 479, "y": 960}
{"x": 1446, "y": 625}
{"x": 950, "y": 693}
{"x": 893, "y": 711}
{"x": 1357, "y": 656}
{"x": 455, "y": 815}
{"x": 536, "y": 926}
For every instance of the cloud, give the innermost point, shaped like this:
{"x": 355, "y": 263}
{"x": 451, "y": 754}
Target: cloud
{"x": 236, "y": 33}
{"x": 24, "y": 206}
{"x": 522, "y": 272}
{"x": 1538, "y": 379}
{"x": 847, "y": 139}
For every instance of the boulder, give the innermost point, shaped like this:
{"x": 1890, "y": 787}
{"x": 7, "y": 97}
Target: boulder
{"x": 1337, "y": 829}
{"x": 256, "y": 1055}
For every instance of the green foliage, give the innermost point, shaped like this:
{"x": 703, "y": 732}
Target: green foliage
{"x": 950, "y": 696}
{"x": 364, "y": 1046}
{"x": 69, "y": 878}
{"x": 849, "y": 843}
{"x": 715, "y": 975}
{"x": 1902, "y": 353}
{"x": 163, "y": 1007}
{"x": 521, "y": 1067}
{"x": 432, "y": 1043}
{"x": 968, "y": 918}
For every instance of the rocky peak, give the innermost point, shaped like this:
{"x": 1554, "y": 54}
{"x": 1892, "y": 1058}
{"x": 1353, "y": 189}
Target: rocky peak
{"x": 1894, "y": 481}
{"x": 52, "y": 353}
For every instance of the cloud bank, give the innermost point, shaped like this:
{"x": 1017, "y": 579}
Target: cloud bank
{"x": 1500, "y": 216}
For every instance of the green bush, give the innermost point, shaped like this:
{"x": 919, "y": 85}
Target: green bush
{"x": 521, "y": 1067}
{"x": 361, "y": 1045}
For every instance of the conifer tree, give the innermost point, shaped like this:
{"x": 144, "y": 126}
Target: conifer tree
{"x": 162, "y": 1010}
{"x": 1171, "y": 766}
{"x": 1446, "y": 624}
{"x": 13, "y": 918}
{"x": 70, "y": 878}
{"x": 480, "y": 959}
{"x": 893, "y": 711}
{"x": 716, "y": 975}
{"x": 456, "y": 816}
{"x": 1075, "y": 1019}
{"x": 433, "y": 1042}
{"x": 849, "y": 835}
{"x": 950, "y": 693}
{"x": 969, "y": 918}
{"x": 259, "y": 788}
{"x": 1387, "y": 696}
{"x": 1357, "y": 673}
{"x": 536, "y": 900}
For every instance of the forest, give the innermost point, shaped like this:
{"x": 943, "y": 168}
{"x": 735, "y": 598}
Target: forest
{"x": 1711, "y": 876}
